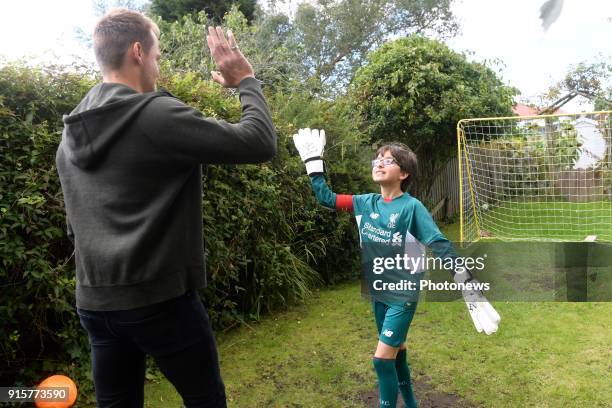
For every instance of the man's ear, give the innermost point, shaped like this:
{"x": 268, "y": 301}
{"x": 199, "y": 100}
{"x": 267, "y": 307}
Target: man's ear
{"x": 137, "y": 52}
{"x": 404, "y": 175}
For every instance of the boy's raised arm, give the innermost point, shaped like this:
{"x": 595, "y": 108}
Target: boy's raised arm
{"x": 310, "y": 143}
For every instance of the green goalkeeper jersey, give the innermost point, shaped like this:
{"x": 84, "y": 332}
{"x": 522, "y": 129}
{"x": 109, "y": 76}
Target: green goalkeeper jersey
{"x": 389, "y": 229}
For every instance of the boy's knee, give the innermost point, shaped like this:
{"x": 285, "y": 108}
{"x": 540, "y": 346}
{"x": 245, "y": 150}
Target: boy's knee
{"x": 383, "y": 365}
{"x": 385, "y": 351}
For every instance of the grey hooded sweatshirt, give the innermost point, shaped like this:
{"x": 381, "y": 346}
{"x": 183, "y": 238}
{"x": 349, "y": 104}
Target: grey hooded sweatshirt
{"x": 130, "y": 169}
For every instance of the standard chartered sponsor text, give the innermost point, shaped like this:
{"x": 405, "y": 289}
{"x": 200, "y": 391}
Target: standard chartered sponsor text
{"x": 376, "y": 234}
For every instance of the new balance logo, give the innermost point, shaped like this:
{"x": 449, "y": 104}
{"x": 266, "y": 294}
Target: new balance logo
{"x": 374, "y": 216}
{"x": 388, "y": 333}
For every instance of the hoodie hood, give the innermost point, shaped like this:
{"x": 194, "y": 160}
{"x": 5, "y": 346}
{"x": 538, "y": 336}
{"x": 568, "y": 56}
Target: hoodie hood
{"x": 100, "y": 120}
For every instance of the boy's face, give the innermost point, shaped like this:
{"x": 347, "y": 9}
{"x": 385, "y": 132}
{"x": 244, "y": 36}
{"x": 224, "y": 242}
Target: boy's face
{"x": 388, "y": 175}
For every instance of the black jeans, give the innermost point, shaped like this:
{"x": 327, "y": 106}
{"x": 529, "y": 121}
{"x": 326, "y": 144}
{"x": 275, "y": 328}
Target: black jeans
{"x": 176, "y": 333}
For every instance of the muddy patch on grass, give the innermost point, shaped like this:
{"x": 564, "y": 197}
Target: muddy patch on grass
{"x": 427, "y": 396}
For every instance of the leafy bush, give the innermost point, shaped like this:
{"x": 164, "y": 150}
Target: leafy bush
{"x": 37, "y": 313}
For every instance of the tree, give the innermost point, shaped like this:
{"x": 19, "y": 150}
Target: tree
{"x": 321, "y": 47}
{"x": 100, "y": 8}
{"x": 172, "y": 10}
{"x": 415, "y": 90}
{"x": 592, "y": 80}
{"x": 332, "y": 38}
{"x": 183, "y": 45}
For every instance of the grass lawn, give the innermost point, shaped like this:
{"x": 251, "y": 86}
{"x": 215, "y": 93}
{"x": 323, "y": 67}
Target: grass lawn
{"x": 552, "y": 220}
{"x": 319, "y": 355}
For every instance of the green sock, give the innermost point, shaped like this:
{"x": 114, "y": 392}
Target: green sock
{"x": 403, "y": 377}
{"x": 387, "y": 381}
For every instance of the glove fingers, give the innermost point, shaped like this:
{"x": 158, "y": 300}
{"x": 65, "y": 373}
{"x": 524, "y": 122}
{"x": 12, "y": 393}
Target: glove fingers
{"x": 298, "y": 141}
{"x": 318, "y": 137}
{"x": 492, "y": 313}
{"x": 486, "y": 321}
{"x": 477, "y": 324}
{"x": 299, "y": 137}
{"x": 482, "y": 321}
{"x": 474, "y": 317}
{"x": 487, "y": 325}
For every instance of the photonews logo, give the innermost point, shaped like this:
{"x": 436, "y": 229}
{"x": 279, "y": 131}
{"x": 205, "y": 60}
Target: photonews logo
{"x": 397, "y": 239}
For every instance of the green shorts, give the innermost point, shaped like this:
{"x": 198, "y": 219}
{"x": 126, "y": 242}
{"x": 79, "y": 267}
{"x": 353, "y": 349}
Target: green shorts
{"x": 393, "y": 322}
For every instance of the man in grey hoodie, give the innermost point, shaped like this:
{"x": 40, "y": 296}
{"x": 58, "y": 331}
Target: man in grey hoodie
{"x": 130, "y": 167}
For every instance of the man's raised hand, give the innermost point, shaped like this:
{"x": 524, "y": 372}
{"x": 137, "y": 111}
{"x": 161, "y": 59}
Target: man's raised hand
{"x": 233, "y": 66}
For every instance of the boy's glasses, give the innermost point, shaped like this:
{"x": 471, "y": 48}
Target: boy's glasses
{"x": 386, "y": 162}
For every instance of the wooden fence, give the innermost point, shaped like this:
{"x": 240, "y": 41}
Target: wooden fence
{"x": 443, "y": 199}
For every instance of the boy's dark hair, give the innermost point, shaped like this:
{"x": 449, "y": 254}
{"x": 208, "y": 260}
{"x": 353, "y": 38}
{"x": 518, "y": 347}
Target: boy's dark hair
{"x": 405, "y": 158}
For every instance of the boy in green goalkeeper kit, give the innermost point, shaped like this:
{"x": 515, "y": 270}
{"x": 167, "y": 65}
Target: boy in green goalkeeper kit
{"x": 394, "y": 222}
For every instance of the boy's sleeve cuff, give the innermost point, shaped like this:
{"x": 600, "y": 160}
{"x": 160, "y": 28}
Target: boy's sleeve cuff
{"x": 315, "y": 167}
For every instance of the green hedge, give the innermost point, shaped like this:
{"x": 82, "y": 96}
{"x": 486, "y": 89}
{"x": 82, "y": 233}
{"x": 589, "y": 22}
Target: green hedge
{"x": 268, "y": 242}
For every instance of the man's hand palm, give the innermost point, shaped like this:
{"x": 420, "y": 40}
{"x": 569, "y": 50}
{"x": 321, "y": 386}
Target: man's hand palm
{"x": 233, "y": 66}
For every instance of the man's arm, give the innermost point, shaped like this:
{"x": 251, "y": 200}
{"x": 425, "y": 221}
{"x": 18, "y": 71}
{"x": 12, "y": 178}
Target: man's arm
{"x": 186, "y": 135}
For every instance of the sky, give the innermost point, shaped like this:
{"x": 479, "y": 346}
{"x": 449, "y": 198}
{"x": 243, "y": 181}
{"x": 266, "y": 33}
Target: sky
{"x": 39, "y": 29}
{"x": 509, "y": 30}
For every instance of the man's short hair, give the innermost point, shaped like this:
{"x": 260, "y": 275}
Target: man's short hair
{"x": 405, "y": 158}
{"x": 116, "y": 31}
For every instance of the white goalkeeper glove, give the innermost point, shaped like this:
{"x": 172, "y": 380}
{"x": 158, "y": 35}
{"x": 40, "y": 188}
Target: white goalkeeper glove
{"x": 310, "y": 143}
{"x": 483, "y": 315}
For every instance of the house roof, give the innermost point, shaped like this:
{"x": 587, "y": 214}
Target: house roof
{"x": 525, "y": 110}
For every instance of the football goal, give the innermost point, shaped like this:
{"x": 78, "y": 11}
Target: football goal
{"x": 538, "y": 178}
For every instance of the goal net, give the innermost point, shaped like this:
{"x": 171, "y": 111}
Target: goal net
{"x": 539, "y": 178}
